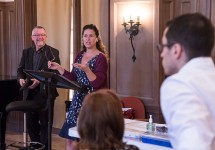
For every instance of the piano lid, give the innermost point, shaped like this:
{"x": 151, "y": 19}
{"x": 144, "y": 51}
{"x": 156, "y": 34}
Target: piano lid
{"x": 5, "y": 78}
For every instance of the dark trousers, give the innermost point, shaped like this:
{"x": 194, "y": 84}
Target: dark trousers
{"x": 37, "y": 122}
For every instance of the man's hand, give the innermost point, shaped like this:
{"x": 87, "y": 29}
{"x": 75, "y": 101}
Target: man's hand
{"x": 34, "y": 84}
{"x": 21, "y": 82}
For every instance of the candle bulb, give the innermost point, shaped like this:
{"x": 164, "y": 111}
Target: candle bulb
{"x": 123, "y": 19}
{"x": 138, "y": 18}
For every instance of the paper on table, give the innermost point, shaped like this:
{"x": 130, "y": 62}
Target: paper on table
{"x": 138, "y": 126}
{"x": 129, "y": 121}
{"x": 125, "y": 109}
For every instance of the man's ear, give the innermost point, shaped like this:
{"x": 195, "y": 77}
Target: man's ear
{"x": 177, "y": 50}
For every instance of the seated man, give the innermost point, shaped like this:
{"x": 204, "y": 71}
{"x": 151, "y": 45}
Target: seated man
{"x": 188, "y": 94}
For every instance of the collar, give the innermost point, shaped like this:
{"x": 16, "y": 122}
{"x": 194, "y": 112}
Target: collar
{"x": 40, "y": 50}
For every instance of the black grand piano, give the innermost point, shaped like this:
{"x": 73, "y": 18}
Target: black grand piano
{"x": 9, "y": 91}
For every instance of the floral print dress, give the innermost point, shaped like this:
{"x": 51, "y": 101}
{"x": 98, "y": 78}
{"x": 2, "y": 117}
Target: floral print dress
{"x": 78, "y": 97}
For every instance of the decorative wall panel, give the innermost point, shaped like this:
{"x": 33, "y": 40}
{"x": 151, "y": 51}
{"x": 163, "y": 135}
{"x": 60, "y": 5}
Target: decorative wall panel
{"x": 143, "y": 77}
{"x": 17, "y": 20}
{"x": 140, "y": 78}
{"x": 7, "y": 23}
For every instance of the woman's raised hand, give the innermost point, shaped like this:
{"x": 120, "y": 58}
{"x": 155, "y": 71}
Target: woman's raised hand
{"x": 55, "y": 66}
{"x": 83, "y": 67}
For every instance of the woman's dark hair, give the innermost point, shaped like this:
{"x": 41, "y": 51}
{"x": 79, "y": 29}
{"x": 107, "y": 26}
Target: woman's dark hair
{"x": 194, "y": 32}
{"x": 99, "y": 45}
{"x": 101, "y": 122}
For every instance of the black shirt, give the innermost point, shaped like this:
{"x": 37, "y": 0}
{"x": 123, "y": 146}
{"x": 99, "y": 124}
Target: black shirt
{"x": 36, "y": 58}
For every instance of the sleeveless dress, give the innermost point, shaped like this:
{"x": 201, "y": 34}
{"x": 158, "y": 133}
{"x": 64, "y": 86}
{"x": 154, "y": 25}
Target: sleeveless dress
{"x": 78, "y": 98}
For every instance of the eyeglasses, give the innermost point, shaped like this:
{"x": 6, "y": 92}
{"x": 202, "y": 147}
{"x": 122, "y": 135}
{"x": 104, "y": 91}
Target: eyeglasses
{"x": 53, "y": 57}
{"x": 39, "y": 35}
{"x": 161, "y": 46}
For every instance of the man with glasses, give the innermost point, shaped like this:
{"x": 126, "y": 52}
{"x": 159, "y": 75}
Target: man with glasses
{"x": 36, "y": 57}
{"x": 188, "y": 92}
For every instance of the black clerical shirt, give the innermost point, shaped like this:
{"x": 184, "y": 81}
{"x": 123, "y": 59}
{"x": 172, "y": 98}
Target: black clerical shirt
{"x": 37, "y": 58}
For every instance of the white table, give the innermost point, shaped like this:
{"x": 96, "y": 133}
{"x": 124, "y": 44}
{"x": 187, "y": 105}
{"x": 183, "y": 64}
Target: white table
{"x": 135, "y": 133}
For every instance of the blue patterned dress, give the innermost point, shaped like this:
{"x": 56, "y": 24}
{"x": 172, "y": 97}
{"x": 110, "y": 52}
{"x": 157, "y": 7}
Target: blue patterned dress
{"x": 78, "y": 97}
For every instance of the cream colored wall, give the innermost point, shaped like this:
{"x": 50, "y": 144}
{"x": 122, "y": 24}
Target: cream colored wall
{"x": 54, "y": 16}
{"x": 90, "y": 12}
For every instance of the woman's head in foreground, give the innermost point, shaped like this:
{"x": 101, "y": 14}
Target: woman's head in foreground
{"x": 101, "y": 122}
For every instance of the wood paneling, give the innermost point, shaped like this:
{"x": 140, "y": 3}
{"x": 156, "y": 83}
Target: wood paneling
{"x": 7, "y": 27}
{"x": 178, "y": 7}
{"x": 189, "y": 6}
{"x": 8, "y": 51}
{"x": 140, "y": 78}
{"x": 184, "y": 6}
{"x": 1, "y": 37}
{"x": 17, "y": 20}
{"x": 77, "y": 27}
{"x": 105, "y": 28}
{"x": 26, "y": 19}
{"x": 143, "y": 78}
{"x": 212, "y": 13}
{"x": 15, "y": 30}
{"x": 10, "y": 47}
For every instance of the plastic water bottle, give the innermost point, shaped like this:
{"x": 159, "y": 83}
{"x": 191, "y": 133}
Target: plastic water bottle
{"x": 150, "y": 125}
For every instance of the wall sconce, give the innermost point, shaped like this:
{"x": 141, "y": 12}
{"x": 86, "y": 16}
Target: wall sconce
{"x": 133, "y": 31}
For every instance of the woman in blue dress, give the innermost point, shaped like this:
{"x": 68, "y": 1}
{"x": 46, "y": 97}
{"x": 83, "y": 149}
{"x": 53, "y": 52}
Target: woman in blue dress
{"x": 89, "y": 70}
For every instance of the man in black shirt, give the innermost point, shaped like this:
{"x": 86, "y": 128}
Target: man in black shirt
{"x": 36, "y": 58}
